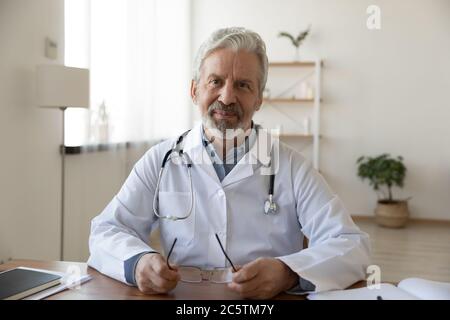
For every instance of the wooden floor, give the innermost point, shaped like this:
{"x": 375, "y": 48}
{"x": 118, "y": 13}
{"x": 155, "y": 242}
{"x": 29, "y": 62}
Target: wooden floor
{"x": 421, "y": 249}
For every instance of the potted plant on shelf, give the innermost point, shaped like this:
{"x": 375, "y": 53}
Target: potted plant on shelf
{"x": 383, "y": 173}
{"x": 296, "y": 41}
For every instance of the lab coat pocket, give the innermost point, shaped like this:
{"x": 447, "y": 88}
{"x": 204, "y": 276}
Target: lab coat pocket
{"x": 285, "y": 219}
{"x": 177, "y": 204}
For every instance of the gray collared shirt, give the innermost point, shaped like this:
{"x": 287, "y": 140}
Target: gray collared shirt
{"x": 233, "y": 156}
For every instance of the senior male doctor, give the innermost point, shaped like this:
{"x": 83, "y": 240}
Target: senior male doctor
{"x": 211, "y": 199}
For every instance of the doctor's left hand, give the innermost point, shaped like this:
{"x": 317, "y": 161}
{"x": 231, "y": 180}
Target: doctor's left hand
{"x": 263, "y": 278}
{"x": 153, "y": 276}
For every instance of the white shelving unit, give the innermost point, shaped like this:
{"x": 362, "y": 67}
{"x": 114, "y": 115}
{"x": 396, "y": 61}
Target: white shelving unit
{"x": 311, "y": 103}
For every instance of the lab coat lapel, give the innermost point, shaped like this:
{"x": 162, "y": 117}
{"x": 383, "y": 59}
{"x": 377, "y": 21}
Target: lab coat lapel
{"x": 193, "y": 147}
{"x": 240, "y": 171}
{"x": 253, "y": 159}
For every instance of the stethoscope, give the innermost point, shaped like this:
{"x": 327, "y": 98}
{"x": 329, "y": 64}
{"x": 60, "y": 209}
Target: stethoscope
{"x": 270, "y": 206}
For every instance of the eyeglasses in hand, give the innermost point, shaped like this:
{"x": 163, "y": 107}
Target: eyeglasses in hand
{"x": 195, "y": 274}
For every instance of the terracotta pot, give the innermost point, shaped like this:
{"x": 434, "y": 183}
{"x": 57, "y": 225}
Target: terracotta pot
{"x": 392, "y": 214}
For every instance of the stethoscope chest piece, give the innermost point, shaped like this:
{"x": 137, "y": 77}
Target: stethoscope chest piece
{"x": 270, "y": 207}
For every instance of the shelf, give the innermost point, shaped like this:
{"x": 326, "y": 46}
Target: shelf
{"x": 296, "y": 135}
{"x": 285, "y": 100}
{"x": 294, "y": 64}
{"x": 312, "y": 104}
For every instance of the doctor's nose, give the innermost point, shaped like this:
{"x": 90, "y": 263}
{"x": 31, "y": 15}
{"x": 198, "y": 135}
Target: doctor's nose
{"x": 227, "y": 94}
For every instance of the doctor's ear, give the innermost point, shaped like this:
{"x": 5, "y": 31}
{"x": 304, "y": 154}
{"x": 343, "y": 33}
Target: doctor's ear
{"x": 259, "y": 103}
{"x": 194, "y": 91}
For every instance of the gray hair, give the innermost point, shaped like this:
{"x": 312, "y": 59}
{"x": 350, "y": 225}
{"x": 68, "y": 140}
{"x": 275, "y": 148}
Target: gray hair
{"x": 237, "y": 39}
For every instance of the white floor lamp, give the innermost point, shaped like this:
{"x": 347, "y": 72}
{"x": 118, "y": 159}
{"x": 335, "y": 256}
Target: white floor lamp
{"x": 62, "y": 87}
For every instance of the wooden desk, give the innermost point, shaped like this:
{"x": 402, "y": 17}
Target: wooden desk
{"x": 102, "y": 287}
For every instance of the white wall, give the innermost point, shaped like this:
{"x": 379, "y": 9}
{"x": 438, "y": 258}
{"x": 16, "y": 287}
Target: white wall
{"x": 383, "y": 91}
{"x": 92, "y": 180}
{"x": 29, "y": 137}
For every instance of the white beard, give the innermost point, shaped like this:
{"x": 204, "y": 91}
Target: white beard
{"x": 221, "y": 131}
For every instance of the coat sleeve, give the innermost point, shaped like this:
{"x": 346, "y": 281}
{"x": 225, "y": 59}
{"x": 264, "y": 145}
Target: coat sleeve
{"x": 338, "y": 252}
{"x": 122, "y": 230}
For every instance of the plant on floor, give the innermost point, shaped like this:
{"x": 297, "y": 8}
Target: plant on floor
{"x": 384, "y": 172}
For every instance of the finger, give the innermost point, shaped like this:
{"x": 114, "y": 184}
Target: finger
{"x": 160, "y": 284}
{"x": 162, "y": 270}
{"x": 237, "y": 269}
{"x": 174, "y": 267}
{"x": 148, "y": 287}
{"x": 259, "y": 292}
{"x": 245, "y": 287}
{"x": 246, "y": 273}
{"x": 166, "y": 273}
{"x": 149, "y": 282}
{"x": 253, "y": 294}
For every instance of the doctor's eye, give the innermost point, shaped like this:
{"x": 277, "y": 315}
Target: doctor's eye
{"x": 244, "y": 85}
{"x": 215, "y": 82}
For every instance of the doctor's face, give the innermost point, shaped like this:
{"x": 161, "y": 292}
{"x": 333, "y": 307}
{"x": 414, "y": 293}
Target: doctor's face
{"x": 227, "y": 92}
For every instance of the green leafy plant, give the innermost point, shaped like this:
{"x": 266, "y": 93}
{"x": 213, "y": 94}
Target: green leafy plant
{"x": 382, "y": 171}
{"x": 296, "y": 41}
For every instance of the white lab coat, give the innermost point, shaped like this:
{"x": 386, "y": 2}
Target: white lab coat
{"x": 338, "y": 252}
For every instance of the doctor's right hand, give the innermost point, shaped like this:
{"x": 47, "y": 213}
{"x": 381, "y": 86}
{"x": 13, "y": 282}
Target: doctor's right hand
{"x": 153, "y": 276}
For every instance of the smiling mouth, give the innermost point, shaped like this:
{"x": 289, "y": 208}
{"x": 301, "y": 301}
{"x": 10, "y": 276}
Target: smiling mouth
{"x": 224, "y": 114}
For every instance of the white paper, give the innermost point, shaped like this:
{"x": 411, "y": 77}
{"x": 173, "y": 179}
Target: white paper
{"x": 426, "y": 289}
{"x": 386, "y": 292}
{"x": 68, "y": 281}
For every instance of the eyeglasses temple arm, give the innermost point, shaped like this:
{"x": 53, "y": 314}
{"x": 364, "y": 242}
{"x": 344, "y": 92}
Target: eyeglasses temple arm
{"x": 170, "y": 252}
{"x": 226, "y": 256}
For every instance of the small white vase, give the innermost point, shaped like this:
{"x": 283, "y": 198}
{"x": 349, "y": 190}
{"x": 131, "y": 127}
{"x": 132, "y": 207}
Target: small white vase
{"x": 297, "y": 54}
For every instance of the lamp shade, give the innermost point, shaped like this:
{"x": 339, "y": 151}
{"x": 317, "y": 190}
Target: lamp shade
{"x": 61, "y": 86}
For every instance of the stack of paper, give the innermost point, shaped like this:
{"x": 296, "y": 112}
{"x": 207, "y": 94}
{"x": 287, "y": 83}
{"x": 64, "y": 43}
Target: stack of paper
{"x": 408, "y": 289}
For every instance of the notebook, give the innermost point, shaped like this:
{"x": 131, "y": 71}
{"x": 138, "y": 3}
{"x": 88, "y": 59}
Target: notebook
{"x": 18, "y": 283}
{"x": 407, "y": 289}
{"x": 69, "y": 280}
